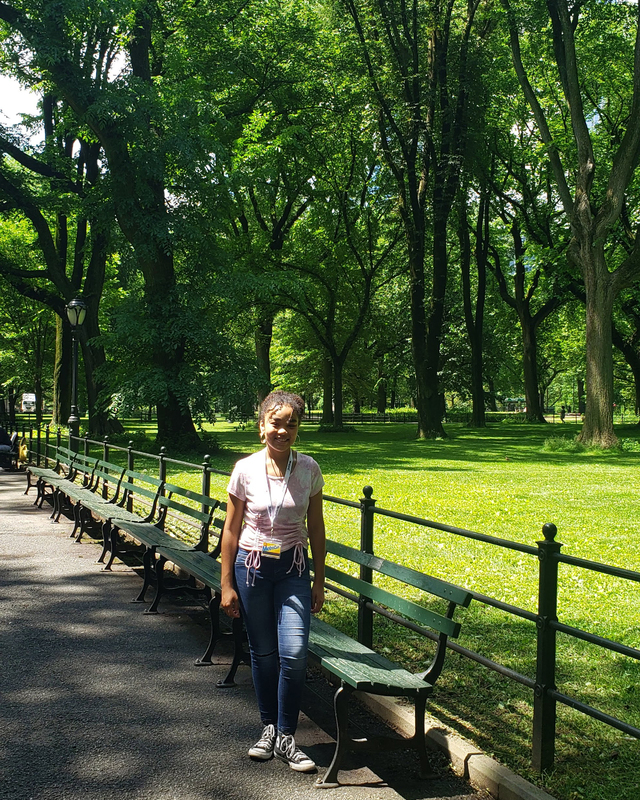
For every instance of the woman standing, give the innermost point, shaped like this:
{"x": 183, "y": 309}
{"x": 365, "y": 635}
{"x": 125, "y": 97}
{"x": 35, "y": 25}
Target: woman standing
{"x": 274, "y": 512}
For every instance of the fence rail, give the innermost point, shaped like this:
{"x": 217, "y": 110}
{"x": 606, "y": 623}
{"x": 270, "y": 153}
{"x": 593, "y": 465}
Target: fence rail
{"x": 547, "y": 552}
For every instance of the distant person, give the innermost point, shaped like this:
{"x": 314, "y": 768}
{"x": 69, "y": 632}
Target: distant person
{"x": 5, "y": 441}
{"x": 274, "y": 512}
{"x": 563, "y": 412}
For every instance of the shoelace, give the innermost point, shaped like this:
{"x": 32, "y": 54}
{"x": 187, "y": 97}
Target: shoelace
{"x": 268, "y": 735}
{"x": 288, "y": 747}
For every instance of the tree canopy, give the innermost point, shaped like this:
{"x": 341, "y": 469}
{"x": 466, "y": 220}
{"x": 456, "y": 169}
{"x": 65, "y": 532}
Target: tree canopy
{"x": 381, "y": 204}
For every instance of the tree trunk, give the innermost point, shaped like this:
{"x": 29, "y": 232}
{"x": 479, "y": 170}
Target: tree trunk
{"x": 337, "y": 393}
{"x": 62, "y": 373}
{"x": 491, "y": 399}
{"x": 93, "y": 355}
{"x": 534, "y": 411}
{"x": 39, "y": 398}
{"x": 327, "y": 391}
{"x": 263, "y": 337}
{"x": 419, "y": 341}
{"x": 475, "y": 322}
{"x": 598, "y": 425}
{"x": 430, "y": 418}
{"x": 381, "y": 390}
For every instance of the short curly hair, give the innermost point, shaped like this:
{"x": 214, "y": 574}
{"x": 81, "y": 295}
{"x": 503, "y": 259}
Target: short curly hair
{"x": 279, "y": 399}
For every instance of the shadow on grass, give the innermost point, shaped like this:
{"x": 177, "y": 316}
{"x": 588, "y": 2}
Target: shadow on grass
{"x": 393, "y": 446}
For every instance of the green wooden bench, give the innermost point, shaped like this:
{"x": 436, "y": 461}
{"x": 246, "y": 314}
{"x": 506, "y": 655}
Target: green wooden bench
{"x": 181, "y": 510}
{"x": 47, "y": 478}
{"x": 200, "y": 564}
{"x": 358, "y": 667}
{"x": 137, "y": 502}
{"x": 102, "y": 486}
{"x": 73, "y": 472}
{"x": 203, "y": 567}
{"x": 80, "y": 480}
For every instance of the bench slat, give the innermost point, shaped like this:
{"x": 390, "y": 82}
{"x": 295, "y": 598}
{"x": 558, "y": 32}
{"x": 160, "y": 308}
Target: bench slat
{"x": 148, "y": 534}
{"x": 359, "y": 666}
{"x": 423, "y": 615}
{"x": 448, "y": 591}
{"x": 202, "y": 499}
{"x": 198, "y": 564}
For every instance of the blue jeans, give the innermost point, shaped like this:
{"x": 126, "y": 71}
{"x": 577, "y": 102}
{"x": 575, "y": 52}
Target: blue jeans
{"x": 276, "y": 610}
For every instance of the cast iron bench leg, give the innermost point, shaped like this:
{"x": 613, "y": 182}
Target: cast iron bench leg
{"x": 214, "y": 609}
{"x": 105, "y": 542}
{"x": 148, "y": 560}
{"x": 340, "y": 704}
{"x": 77, "y": 522}
{"x": 39, "y": 493}
{"x": 240, "y": 656}
{"x": 113, "y": 546}
{"x": 57, "y": 505}
{"x": 426, "y": 770}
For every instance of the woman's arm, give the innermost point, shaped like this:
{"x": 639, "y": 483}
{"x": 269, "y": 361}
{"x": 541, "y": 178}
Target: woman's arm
{"x": 230, "y": 538}
{"x": 315, "y": 528}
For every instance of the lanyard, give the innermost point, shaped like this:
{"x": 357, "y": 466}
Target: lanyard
{"x": 271, "y": 511}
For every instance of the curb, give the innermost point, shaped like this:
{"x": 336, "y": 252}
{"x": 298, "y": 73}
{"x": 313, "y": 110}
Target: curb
{"x": 467, "y": 761}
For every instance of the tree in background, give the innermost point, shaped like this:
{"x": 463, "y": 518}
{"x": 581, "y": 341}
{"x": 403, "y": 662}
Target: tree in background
{"x": 418, "y": 61}
{"x": 26, "y": 349}
{"x": 595, "y": 49}
{"x": 54, "y": 205}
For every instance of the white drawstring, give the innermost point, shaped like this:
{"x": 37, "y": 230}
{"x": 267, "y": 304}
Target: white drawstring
{"x": 252, "y": 562}
{"x": 298, "y": 559}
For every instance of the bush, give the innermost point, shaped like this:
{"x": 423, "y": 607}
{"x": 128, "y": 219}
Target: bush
{"x": 563, "y": 444}
{"x": 629, "y": 445}
{"x": 139, "y": 439}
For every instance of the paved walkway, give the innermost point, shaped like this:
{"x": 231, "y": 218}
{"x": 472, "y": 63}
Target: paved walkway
{"x": 100, "y": 701}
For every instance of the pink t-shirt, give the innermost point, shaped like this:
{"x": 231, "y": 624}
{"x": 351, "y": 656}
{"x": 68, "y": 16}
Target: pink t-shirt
{"x": 248, "y": 482}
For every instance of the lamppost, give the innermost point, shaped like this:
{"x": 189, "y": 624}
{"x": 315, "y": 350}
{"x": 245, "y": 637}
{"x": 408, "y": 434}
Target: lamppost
{"x": 76, "y": 312}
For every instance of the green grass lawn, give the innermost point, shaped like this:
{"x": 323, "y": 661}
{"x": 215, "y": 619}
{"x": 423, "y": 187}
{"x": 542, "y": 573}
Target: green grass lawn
{"x": 505, "y": 481}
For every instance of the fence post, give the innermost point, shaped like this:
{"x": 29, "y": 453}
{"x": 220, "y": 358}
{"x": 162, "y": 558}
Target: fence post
{"x": 39, "y": 445}
{"x": 58, "y": 446}
{"x": 206, "y": 481}
{"x": 203, "y": 543}
{"x": 105, "y": 458}
{"x": 365, "y": 615}
{"x": 544, "y": 706}
{"x": 162, "y": 465}
{"x": 130, "y": 464}
{"x": 30, "y": 442}
{"x": 86, "y": 444}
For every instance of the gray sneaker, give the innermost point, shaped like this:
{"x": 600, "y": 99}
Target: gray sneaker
{"x": 286, "y": 750}
{"x": 263, "y": 748}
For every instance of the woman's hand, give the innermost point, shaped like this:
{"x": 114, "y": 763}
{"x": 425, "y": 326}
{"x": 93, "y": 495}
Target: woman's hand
{"x": 229, "y": 603}
{"x": 317, "y": 596}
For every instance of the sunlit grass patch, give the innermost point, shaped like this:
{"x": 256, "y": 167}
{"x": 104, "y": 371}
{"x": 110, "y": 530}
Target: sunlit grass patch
{"x": 506, "y": 481}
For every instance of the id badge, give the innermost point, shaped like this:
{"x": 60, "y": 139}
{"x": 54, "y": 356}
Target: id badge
{"x": 271, "y": 549}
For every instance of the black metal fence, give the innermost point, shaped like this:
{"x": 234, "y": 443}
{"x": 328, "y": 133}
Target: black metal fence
{"x": 547, "y": 552}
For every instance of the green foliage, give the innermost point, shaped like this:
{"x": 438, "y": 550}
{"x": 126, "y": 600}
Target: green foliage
{"x": 563, "y": 444}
